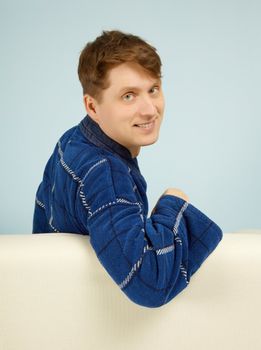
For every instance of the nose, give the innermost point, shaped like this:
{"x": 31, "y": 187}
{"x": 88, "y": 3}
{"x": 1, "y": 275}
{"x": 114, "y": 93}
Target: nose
{"x": 147, "y": 107}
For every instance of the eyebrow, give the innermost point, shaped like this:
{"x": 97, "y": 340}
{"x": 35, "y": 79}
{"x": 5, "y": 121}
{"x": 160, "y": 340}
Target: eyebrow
{"x": 126, "y": 88}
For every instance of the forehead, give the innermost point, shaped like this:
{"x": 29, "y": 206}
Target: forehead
{"x": 130, "y": 75}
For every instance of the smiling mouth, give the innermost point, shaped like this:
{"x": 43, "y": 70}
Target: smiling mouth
{"x": 145, "y": 125}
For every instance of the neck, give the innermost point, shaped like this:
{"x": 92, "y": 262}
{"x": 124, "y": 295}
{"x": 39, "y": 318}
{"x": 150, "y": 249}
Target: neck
{"x": 134, "y": 151}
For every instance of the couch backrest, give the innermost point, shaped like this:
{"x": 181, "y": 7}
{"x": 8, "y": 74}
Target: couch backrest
{"x": 55, "y": 295}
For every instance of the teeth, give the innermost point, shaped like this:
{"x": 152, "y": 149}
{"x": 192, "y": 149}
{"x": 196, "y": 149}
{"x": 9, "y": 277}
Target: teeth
{"x": 147, "y": 125}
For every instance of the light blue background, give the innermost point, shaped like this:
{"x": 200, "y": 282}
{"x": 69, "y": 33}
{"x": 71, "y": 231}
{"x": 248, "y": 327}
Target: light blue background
{"x": 209, "y": 144}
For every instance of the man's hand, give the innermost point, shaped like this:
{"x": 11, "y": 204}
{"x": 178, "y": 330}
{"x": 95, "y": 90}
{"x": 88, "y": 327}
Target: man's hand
{"x": 173, "y": 192}
{"x": 176, "y": 192}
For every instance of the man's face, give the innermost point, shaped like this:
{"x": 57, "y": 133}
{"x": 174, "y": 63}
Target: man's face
{"x": 132, "y": 107}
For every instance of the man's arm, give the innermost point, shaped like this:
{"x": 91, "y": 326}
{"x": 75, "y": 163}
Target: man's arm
{"x": 151, "y": 259}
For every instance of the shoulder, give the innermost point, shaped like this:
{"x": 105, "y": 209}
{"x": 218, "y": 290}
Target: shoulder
{"x": 101, "y": 175}
{"x": 107, "y": 180}
{"x": 84, "y": 156}
{"x": 108, "y": 170}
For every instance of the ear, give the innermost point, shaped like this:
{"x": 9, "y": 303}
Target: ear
{"x": 91, "y": 106}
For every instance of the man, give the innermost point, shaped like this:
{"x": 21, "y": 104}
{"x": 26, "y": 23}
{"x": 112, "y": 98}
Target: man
{"x": 92, "y": 184}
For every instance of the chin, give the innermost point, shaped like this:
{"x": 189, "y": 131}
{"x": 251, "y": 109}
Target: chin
{"x": 150, "y": 142}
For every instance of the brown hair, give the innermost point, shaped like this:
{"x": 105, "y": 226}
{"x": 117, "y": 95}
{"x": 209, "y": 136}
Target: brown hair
{"x": 108, "y": 50}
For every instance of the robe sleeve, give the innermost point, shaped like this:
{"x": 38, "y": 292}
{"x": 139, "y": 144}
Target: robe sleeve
{"x": 151, "y": 259}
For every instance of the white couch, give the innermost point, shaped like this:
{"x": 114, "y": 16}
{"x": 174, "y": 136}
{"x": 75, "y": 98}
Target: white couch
{"x": 55, "y": 295}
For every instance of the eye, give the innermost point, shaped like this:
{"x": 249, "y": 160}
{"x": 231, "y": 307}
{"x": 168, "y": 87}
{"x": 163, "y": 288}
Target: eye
{"x": 128, "y": 97}
{"x": 154, "y": 90}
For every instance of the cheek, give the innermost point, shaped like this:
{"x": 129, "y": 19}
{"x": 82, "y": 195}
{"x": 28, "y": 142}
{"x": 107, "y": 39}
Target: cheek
{"x": 162, "y": 104}
{"x": 163, "y": 109}
{"x": 125, "y": 115}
